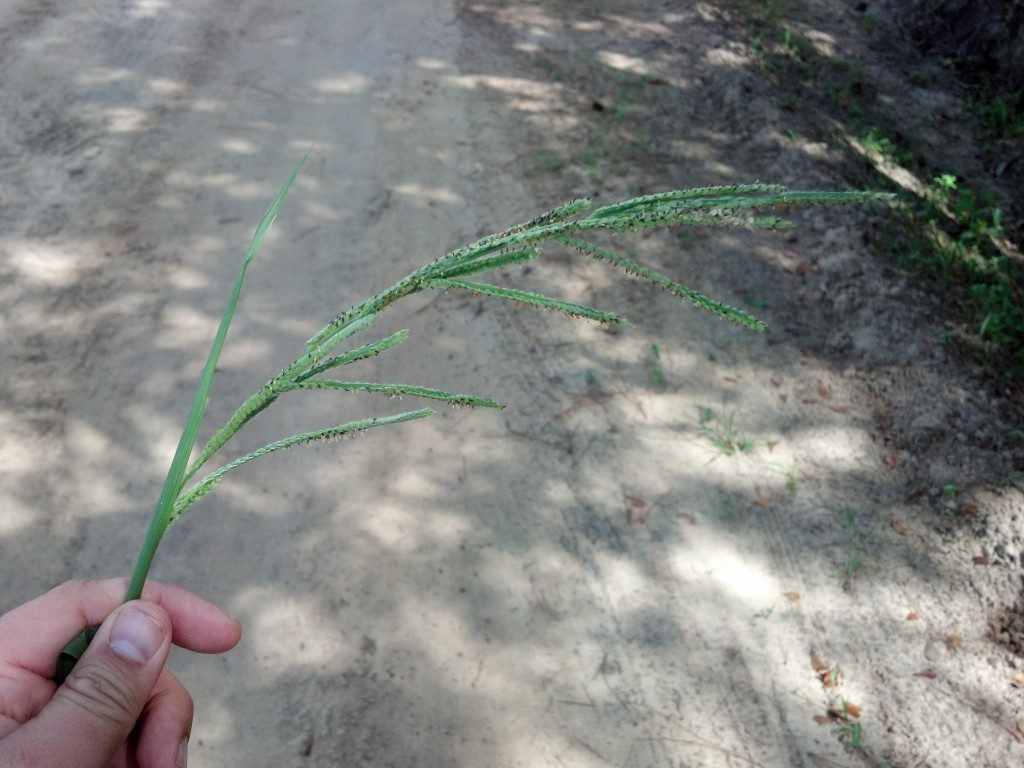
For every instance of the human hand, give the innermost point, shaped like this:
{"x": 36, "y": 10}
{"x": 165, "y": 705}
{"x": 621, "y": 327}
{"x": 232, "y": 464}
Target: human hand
{"x": 119, "y": 707}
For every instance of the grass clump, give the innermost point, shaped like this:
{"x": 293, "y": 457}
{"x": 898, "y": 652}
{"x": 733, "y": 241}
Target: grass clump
{"x": 942, "y": 229}
{"x": 722, "y": 434}
{"x": 567, "y": 226}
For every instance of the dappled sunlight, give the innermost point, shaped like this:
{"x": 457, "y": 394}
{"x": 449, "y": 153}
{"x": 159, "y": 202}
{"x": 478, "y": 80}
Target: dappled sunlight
{"x": 157, "y": 433}
{"x": 165, "y": 86}
{"x": 43, "y": 263}
{"x": 404, "y": 531}
{"x": 346, "y": 83}
{"x": 421, "y": 195}
{"x": 125, "y": 119}
{"x": 523, "y": 95}
{"x": 17, "y": 516}
{"x": 734, "y": 56}
{"x": 218, "y": 724}
{"x": 288, "y": 631}
{"x": 895, "y": 172}
{"x": 89, "y": 455}
{"x": 227, "y": 183}
{"x": 102, "y": 75}
{"x": 623, "y": 63}
{"x": 705, "y": 555}
{"x": 208, "y": 106}
{"x": 186, "y": 279}
{"x": 427, "y": 62}
{"x": 185, "y": 327}
{"x": 823, "y": 42}
{"x": 149, "y": 9}
{"x": 239, "y": 146}
{"x": 242, "y": 352}
{"x": 439, "y": 631}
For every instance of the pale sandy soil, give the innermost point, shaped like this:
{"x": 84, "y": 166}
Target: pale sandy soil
{"x": 581, "y": 579}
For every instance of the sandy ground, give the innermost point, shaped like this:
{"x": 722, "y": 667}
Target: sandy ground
{"x": 582, "y": 579}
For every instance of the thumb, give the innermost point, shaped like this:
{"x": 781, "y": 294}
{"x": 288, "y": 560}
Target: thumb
{"x": 93, "y": 712}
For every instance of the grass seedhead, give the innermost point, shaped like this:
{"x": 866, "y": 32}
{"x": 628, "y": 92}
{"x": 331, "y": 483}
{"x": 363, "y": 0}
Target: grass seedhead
{"x": 733, "y": 206}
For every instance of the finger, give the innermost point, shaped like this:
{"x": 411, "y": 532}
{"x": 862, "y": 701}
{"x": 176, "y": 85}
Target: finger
{"x": 166, "y": 725}
{"x": 91, "y": 715}
{"x": 33, "y": 634}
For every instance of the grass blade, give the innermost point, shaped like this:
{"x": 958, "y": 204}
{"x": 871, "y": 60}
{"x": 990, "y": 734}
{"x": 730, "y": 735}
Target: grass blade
{"x": 164, "y": 512}
{"x": 173, "y": 482}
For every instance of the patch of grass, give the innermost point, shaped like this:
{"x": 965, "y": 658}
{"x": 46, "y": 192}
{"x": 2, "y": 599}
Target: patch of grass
{"x": 548, "y": 161}
{"x": 851, "y": 734}
{"x": 722, "y": 434}
{"x": 728, "y": 511}
{"x": 657, "y": 375}
{"x": 853, "y": 548}
{"x": 956, "y": 235}
{"x": 876, "y": 143}
{"x": 945, "y": 230}
{"x": 791, "y": 481}
{"x": 1001, "y": 115}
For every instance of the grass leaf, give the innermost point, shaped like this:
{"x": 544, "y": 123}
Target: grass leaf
{"x": 175, "y": 475}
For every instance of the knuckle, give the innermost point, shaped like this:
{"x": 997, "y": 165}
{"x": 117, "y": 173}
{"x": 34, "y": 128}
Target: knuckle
{"x": 104, "y": 692}
{"x": 178, "y": 697}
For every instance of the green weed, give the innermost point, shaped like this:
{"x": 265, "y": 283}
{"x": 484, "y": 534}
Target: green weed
{"x": 876, "y": 143}
{"x": 723, "y": 436}
{"x": 1001, "y": 115}
{"x": 545, "y": 160}
{"x": 851, "y": 734}
{"x": 947, "y": 231}
{"x": 791, "y": 481}
{"x": 657, "y": 375}
{"x": 853, "y": 547}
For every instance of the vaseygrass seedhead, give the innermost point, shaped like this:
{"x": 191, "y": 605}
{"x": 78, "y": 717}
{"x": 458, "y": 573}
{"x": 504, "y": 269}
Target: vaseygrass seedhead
{"x": 722, "y": 206}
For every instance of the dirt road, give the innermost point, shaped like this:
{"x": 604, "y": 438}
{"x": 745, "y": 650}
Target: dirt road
{"x": 633, "y": 564}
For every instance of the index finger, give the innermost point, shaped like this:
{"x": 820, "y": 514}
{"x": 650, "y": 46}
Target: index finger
{"x": 33, "y": 634}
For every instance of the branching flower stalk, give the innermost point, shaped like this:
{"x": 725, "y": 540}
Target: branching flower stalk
{"x": 737, "y": 205}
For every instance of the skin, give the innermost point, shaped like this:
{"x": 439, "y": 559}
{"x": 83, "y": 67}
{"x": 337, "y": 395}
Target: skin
{"x": 112, "y": 711}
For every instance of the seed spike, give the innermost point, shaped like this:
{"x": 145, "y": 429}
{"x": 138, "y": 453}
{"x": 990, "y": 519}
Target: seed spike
{"x": 535, "y": 300}
{"x": 397, "y": 390}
